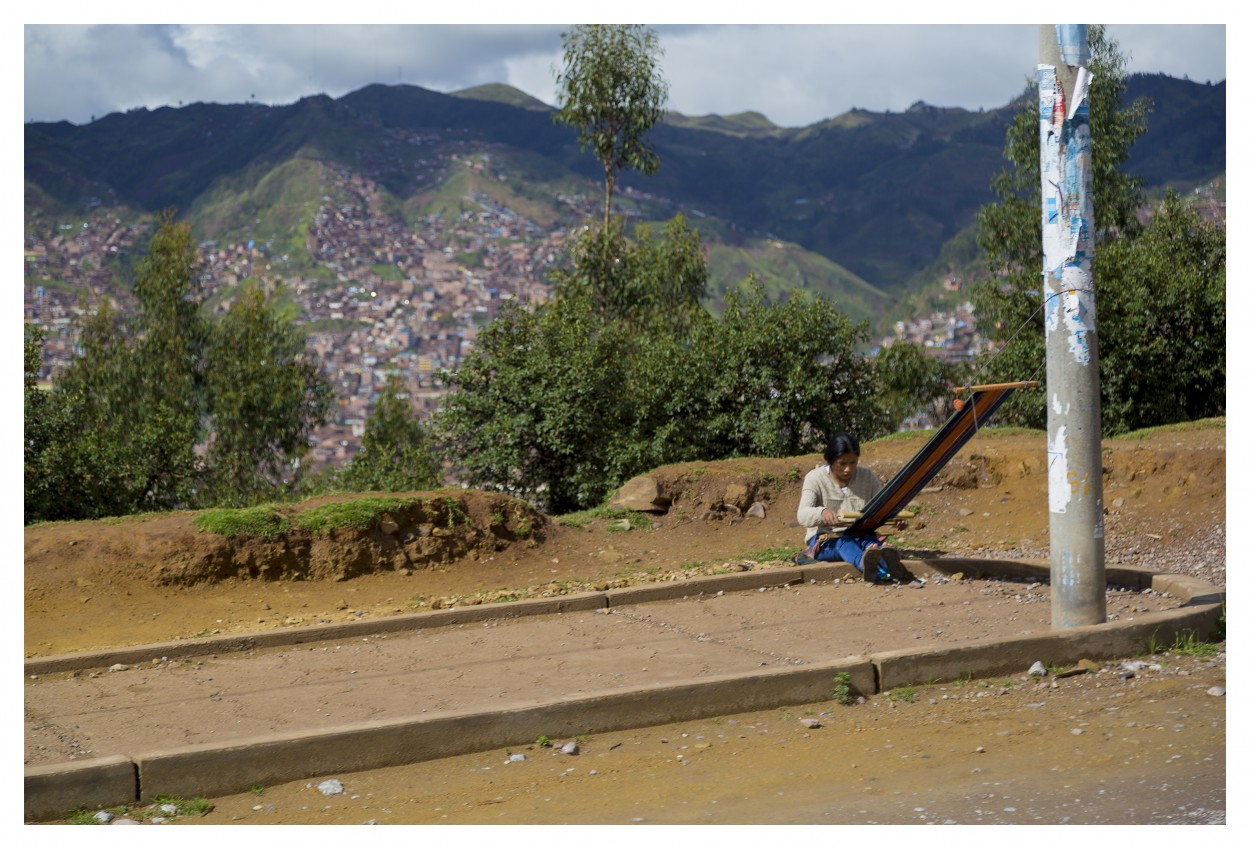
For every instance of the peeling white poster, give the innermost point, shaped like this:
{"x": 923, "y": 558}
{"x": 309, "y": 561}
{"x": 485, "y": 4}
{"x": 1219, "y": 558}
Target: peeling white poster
{"x": 1057, "y": 472}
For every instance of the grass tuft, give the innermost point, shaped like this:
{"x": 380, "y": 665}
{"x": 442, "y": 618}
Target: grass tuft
{"x": 1188, "y": 644}
{"x": 901, "y": 694}
{"x": 1198, "y": 424}
{"x": 360, "y": 514}
{"x": 582, "y": 518}
{"x": 769, "y": 555}
{"x": 264, "y": 521}
{"x": 165, "y": 807}
{"x": 842, "y": 688}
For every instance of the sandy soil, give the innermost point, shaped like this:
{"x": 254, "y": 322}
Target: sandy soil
{"x": 1094, "y": 749}
{"x": 149, "y": 579}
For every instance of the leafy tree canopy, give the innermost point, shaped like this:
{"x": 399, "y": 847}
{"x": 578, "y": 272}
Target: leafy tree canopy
{"x": 562, "y": 403}
{"x": 396, "y": 453}
{"x": 263, "y": 393}
{"x": 910, "y": 381}
{"x": 535, "y": 408}
{"x": 170, "y": 409}
{"x": 653, "y": 281}
{"x": 128, "y": 408}
{"x": 1161, "y": 311}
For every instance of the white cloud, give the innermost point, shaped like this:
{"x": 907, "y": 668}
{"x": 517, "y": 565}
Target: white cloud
{"x": 794, "y": 74}
{"x": 1178, "y": 50}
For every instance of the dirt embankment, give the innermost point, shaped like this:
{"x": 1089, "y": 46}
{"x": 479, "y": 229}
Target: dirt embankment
{"x": 158, "y": 577}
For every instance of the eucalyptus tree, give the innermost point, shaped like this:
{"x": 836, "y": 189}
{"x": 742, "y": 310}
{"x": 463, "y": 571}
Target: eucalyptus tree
{"x": 611, "y": 90}
{"x": 129, "y": 406}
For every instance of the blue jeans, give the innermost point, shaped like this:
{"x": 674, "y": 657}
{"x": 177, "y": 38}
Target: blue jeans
{"x": 850, "y": 549}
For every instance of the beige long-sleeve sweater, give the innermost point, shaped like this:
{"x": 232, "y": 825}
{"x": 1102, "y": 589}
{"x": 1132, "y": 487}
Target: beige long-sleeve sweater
{"x": 820, "y": 490}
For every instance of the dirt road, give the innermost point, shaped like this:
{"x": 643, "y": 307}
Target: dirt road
{"x": 1097, "y": 749}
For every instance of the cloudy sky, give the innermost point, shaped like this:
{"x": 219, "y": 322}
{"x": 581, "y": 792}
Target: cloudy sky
{"x": 796, "y": 73}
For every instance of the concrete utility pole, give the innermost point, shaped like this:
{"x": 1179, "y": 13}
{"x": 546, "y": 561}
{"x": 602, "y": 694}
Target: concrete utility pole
{"x": 1073, "y": 426}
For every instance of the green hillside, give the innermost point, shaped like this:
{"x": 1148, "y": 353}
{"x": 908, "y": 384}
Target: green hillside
{"x": 271, "y": 206}
{"x": 517, "y": 180}
{"x": 785, "y": 267}
{"x": 506, "y": 94}
{"x": 740, "y": 124}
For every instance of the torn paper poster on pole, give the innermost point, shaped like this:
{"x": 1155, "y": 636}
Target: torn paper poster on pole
{"x": 1073, "y": 41}
{"x": 1067, "y": 218}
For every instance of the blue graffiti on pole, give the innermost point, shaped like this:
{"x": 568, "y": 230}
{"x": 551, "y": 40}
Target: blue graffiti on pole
{"x": 1073, "y": 43}
{"x": 1049, "y": 109}
{"x": 1080, "y": 347}
{"x": 1046, "y": 92}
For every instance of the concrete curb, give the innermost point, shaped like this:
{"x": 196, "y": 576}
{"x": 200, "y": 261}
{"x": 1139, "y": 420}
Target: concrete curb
{"x": 217, "y": 769}
{"x": 1011, "y": 655}
{"x": 53, "y": 789}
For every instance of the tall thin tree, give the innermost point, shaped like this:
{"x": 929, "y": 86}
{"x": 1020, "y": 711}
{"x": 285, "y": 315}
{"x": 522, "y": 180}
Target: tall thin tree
{"x": 612, "y": 92}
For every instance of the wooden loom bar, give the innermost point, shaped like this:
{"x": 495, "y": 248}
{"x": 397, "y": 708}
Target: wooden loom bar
{"x": 1022, "y": 384}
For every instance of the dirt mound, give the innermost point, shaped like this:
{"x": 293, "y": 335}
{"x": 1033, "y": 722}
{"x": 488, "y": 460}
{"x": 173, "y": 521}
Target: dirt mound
{"x": 421, "y": 531}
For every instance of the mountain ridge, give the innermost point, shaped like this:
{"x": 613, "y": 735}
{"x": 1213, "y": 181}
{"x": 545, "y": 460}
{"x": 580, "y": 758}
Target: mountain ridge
{"x": 876, "y": 194}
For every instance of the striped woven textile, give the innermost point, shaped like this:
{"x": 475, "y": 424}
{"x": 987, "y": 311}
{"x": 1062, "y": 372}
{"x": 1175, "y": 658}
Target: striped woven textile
{"x": 935, "y": 454}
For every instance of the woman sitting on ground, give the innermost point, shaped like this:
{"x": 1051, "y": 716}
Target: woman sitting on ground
{"x": 842, "y": 486}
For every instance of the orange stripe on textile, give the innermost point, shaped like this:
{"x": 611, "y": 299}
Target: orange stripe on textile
{"x": 935, "y": 454}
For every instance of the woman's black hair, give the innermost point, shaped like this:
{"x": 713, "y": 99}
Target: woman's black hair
{"x": 841, "y": 443}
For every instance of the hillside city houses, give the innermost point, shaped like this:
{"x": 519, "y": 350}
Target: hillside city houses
{"x": 386, "y": 298}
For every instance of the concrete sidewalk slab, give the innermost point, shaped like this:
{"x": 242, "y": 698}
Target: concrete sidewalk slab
{"x": 458, "y": 681}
